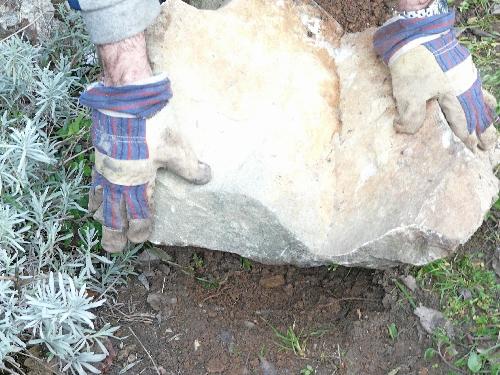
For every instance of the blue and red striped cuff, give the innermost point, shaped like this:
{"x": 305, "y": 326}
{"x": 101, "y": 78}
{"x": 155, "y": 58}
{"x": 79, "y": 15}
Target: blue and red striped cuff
{"x": 397, "y": 33}
{"x": 142, "y": 100}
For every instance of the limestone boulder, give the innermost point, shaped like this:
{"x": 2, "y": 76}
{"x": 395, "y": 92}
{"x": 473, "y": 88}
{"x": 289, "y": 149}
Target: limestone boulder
{"x": 296, "y": 120}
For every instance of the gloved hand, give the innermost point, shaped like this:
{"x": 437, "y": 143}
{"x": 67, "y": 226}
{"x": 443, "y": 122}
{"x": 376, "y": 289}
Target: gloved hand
{"x": 132, "y": 139}
{"x": 426, "y": 62}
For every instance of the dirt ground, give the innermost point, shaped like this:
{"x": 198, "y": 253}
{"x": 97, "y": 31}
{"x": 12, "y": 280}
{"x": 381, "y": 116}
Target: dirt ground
{"x": 358, "y": 15}
{"x": 193, "y": 327}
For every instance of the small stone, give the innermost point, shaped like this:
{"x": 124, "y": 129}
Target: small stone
{"x": 423, "y": 371}
{"x": 155, "y": 300}
{"x": 132, "y": 358}
{"x": 164, "y": 269}
{"x": 272, "y": 281}
{"x": 226, "y": 337}
{"x": 212, "y": 314}
{"x": 465, "y": 294}
{"x": 144, "y": 281}
{"x": 431, "y": 320}
{"x": 288, "y": 290}
{"x": 126, "y": 351}
{"x": 387, "y": 300}
{"x": 410, "y": 282}
{"x": 172, "y": 300}
{"x": 248, "y": 324}
{"x": 267, "y": 367}
{"x": 162, "y": 370}
{"x": 148, "y": 257}
{"x": 217, "y": 364}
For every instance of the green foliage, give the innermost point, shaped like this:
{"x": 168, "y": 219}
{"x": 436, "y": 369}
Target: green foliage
{"x": 469, "y": 292}
{"x": 308, "y": 370}
{"x": 197, "y": 262}
{"x": 49, "y": 248}
{"x": 332, "y": 267}
{"x": 393, "y": 331}
{"x": 246, "y": 264}
{"x": 406, "y": 293}
{"x": 291, "y": 341}
{"x": 470, "y": 297}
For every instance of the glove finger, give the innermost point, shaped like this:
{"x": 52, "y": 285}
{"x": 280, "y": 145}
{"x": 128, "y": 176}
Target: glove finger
{"x": 113, "y": 240}
{"x": 179, "y": 157}
{"x": 95, "y": 198}
{"x": 96, "y": 192}
{"x": 139, "y": 230}
{"x": 490, "y": 100}
{"x": 138, "y": 205}
{"x": 488, "y": 139}
{"x": 412, "y": 114}
{"x": 112, "y": 215}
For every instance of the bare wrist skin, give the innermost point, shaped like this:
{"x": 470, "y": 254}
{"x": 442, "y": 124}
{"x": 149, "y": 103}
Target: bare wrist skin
{"x": 125, "y": 62}
{"x": 411, "y": 5}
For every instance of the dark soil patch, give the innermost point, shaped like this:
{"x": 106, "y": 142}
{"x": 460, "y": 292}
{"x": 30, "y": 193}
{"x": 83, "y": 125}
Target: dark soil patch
{"x": 227, "y": 326}
{"x": 356, "y": 16}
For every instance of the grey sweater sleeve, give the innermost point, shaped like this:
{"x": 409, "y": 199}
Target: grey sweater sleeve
{"x": 110, "y": 21}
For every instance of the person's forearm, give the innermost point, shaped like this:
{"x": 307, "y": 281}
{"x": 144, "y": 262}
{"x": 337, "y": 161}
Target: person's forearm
{"x": 125, "y": 62}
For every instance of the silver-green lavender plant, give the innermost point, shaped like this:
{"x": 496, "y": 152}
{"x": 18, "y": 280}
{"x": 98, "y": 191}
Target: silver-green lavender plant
{"x": 46, "y": 265}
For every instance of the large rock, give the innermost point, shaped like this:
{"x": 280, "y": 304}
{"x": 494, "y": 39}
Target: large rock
{"x": 297, "y": 124}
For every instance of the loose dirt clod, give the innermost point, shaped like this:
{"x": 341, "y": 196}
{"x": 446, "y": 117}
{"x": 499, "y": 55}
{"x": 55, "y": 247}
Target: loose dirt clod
{"x": 217, "y": 364}
{"x": 272, "y": 281}
{"x": 155, "y": 300}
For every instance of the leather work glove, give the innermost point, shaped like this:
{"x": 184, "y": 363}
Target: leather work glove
{"x": 132, "y": 139}
{"x": 427, "y": 62}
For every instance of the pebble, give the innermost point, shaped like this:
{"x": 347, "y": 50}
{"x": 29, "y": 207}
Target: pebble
{"x": 217, "y": 364}
{"x": 410, "y": 282}
{"x": 289, "y": 290}
{"x": 270, "y": 282}
{"x": 248, "y": 324}
{"x": 154, "y": 300}
{"x": 148, "y": 257}
{"x": 267, "y": 367}
{"x": 431, "y": 320}
{"x": 164, "y": 269}
{"x": 126, "y": 351}
{"x": 172, "y": 300}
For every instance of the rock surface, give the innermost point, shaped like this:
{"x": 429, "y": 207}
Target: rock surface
{"x": 296, "y": 121}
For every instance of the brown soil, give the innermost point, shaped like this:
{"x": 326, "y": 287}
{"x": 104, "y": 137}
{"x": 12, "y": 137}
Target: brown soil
{"x": 356, "y": 16}
{"x": 228, "y": 328}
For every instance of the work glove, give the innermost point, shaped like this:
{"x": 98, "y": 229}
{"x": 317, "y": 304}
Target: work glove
{"x": 427, "y": 62}
{"x": 132, "y": 139}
